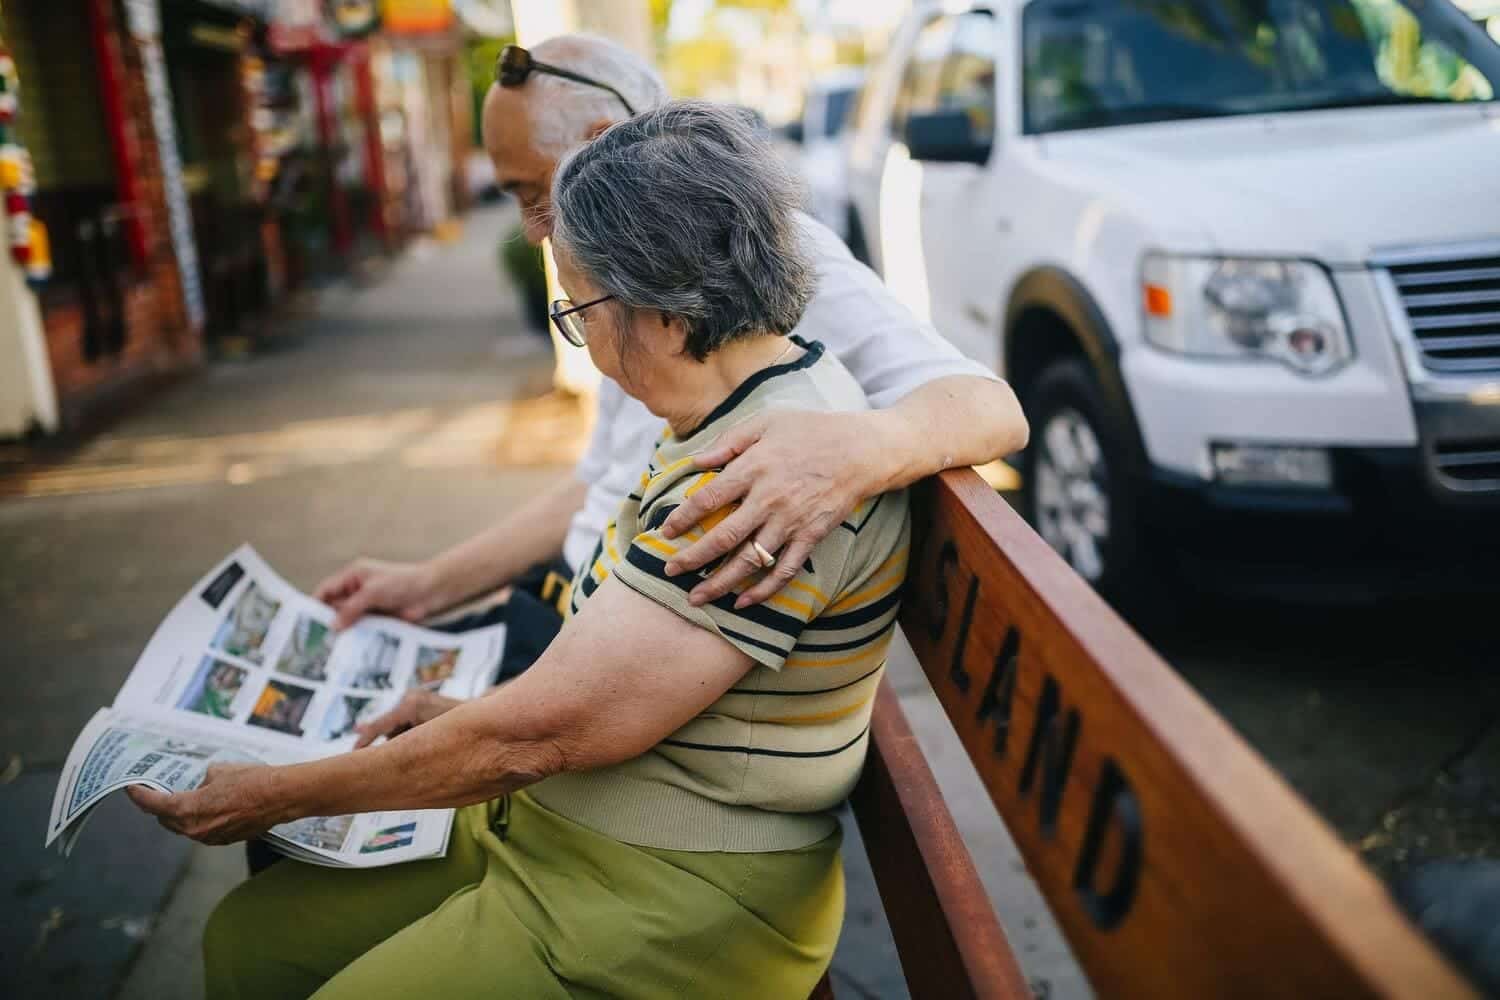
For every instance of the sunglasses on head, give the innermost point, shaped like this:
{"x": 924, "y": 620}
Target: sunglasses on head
{"x": 515, "y": 64}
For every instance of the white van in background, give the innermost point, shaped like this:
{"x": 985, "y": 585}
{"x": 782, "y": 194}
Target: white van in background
{"x": 1241, "y": 262}
{"x": 820, "y": 137}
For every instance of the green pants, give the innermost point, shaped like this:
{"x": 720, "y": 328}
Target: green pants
{"x": 551, "y": 910}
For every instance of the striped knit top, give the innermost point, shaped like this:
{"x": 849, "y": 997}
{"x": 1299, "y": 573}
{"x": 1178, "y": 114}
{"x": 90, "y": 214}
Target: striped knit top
{"x": 762, "y": 767}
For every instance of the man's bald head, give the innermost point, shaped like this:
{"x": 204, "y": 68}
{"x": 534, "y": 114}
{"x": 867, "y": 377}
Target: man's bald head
{"x": 529, "y": 129}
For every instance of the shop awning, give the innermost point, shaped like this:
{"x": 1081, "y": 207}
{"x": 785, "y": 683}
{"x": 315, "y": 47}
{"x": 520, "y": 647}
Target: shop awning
{"x": 485, "y": 18}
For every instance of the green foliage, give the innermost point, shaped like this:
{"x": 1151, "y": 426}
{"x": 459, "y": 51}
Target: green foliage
{"x": 479, "y": 56}
{"x": 661, "y": 14}
{"x": 695, "y": 65}
{"x": 522, "y": 263}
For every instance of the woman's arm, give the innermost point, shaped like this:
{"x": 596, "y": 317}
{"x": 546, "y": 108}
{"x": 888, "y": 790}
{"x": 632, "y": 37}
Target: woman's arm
{"x": 623, "y": 675}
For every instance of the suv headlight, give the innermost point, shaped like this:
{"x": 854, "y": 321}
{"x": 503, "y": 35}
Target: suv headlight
{"x": 1225, "y": 307}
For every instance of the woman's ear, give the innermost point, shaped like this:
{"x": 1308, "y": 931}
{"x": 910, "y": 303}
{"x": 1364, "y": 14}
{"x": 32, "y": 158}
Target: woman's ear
{"x": 675, "y": 330}
{"x": 596, "y": 128}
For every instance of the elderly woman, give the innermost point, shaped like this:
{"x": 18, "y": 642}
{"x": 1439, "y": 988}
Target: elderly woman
{"x": 646, "y": 812}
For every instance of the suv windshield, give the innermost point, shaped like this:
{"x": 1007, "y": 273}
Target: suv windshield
{"x": 1092, "y": 63}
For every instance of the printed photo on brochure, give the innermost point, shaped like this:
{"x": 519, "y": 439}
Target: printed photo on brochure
{"x": 244, "y": 630}
{"x": 306, "y": 656}
{"x": 214, "y": 688}
{"x": 375, "y": 663}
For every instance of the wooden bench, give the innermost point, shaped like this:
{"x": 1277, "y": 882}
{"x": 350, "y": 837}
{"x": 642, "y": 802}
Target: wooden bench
{"x": 1176, "y": 862}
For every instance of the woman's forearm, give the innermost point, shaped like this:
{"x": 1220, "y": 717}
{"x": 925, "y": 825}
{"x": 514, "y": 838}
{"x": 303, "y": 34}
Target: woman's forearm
{"x": 600, "y": 695}
{"x": 470, "y": 754}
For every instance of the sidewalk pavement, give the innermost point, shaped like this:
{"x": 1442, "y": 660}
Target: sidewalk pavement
{"x": 392, "y": 421}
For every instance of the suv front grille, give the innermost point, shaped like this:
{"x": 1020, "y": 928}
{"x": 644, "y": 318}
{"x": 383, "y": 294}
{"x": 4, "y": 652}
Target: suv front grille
{"x": 1453, "y": 307}
{"x": 1470, "y": 465}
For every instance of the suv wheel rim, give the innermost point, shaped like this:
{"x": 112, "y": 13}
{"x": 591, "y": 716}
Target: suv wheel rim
{"x": 1071, "y": 491}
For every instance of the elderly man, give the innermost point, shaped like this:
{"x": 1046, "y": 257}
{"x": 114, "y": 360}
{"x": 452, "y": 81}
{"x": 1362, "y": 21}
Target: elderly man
{"x": 791, "y": 476}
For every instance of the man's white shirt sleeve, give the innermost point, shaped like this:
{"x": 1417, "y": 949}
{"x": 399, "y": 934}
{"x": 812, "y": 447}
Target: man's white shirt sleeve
{"x": 596, "y": 459}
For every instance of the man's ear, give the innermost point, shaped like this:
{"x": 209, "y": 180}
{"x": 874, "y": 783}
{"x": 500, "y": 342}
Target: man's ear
{"x": 595, "y": 128}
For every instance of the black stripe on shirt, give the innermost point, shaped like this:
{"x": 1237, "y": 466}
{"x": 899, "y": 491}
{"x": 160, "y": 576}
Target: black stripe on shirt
{"x": 769, "y": 647}
{"x": 838, "y": 647}
{"x": 727, "y": 632}
{"x": 767, "y": 751}
{"x": 862, "y": 616}
{"x": 587, "y": 585}
{"x": 659, "y": 516}
{"x": 758, "y": 614}
{"x": 855, "y": 529}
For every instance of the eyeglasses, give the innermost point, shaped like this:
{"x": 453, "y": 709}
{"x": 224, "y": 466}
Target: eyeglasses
{"x": 515, "y": 64}
{"x": 569, "y": 320}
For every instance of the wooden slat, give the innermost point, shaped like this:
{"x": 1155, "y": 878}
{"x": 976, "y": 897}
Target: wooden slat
{"x": 1176, "y": 861}
{"x": 951, "y": 944}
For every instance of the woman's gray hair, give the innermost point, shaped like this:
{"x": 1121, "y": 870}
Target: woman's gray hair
{"x": 687, "y": 210}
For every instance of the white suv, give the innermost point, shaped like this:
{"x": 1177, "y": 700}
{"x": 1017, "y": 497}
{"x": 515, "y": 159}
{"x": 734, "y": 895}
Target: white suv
{"x": 1240, "y": 260}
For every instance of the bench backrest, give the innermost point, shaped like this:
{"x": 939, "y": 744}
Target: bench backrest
{"x": 1177, "y": 863}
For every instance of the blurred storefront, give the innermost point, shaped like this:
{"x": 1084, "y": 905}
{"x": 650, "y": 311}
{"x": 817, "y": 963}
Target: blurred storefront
{"x": 424, "y": 113}
{"x": 114, "y": 312}
{"x": 220, "y": 73}
{"x": 195, "y": 160}
{"x": 391, "y": 123}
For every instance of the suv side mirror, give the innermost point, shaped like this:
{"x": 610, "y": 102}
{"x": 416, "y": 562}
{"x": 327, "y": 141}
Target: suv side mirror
{"x": 945, "y": 137}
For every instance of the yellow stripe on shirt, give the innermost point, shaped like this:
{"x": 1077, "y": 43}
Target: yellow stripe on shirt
{"x": 804, "y": 661}
{"x": 781, "y": 600}
{"x": 829, "y": 716}
{"x": 808, "y": 589}
{"x": 882, "y": 586}
{"x": 681, "y": 463}
{"x": 656, "y": 545}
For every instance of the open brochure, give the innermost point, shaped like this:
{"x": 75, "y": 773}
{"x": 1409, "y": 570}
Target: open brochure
{"x": 248, "y": 669}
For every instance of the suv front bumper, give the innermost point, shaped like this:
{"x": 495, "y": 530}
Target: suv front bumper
{"x": 1398, "y": 520}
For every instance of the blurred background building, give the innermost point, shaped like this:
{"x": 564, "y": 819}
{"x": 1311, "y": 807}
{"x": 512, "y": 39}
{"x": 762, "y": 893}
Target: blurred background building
{"x": 1229, "y": 377}
{"x": 200, "y": 163}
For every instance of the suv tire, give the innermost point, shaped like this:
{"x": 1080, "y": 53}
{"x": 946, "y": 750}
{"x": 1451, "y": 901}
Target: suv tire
{"x": 1078, "y": 490}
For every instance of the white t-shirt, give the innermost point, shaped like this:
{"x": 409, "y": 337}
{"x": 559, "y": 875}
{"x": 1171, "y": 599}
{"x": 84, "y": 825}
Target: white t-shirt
{"x": 878, "y": 339}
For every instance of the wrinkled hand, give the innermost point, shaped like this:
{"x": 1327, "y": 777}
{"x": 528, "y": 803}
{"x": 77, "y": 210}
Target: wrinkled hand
{"x": 796, "y": 475}
{"x": 405, "y": 590}
{"x": 233, "y": 803}
{"x": 414, "y": 708}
